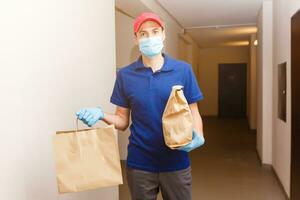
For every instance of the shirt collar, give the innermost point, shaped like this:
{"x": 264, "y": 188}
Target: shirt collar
{"x": 167, "y": 66}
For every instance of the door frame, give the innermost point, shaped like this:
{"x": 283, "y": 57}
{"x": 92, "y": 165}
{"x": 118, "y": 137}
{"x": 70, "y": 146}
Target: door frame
{"x": 294, "y": 121}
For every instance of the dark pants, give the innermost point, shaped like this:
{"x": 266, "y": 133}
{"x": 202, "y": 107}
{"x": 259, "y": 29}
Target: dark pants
{"x": 144, "y": 185}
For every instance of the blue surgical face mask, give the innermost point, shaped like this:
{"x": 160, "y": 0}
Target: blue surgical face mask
{"x": 151, "y": 46}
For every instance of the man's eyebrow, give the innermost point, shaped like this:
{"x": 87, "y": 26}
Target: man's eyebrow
{"x": 149, "y": 29}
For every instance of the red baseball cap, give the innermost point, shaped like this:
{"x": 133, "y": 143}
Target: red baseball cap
{"x": 146, "y": 16}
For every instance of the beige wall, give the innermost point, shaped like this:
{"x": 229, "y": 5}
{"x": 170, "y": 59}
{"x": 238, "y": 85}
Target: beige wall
{"x": 184, "y": 49}
{"x": 208, "y": 73}
{"x": 56, "y": 57}
{"x": 283, "y": 11}
{"x": 259, "y": 84}
{"x": 252, "y": 84}
{"x": 126, "y": 51}
{"x": 188, "y": 50}
{"x": 264, "y": 83}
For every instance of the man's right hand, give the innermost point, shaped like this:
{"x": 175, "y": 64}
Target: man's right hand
{"x": 90, "y": 116}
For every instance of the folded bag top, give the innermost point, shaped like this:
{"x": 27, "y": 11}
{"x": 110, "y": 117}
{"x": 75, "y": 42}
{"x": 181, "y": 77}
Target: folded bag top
{"x": 87, "y": 159}
{"x": 177, "y": 120}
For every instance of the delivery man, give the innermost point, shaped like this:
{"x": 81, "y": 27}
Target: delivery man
{"x": 142, "y": 89}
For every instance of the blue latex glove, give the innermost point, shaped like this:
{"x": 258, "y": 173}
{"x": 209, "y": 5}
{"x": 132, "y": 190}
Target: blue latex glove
{"x": 197, "y": 141}
{"x": 90, "y": 116}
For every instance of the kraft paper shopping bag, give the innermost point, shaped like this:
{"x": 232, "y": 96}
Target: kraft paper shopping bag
{"x": 87, "y": 159}
{"x": 177, "y": 120}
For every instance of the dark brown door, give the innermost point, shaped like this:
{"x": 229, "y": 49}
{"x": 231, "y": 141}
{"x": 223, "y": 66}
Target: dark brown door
{"x": 232, "y": 90}
{"x": 295, "y": 159}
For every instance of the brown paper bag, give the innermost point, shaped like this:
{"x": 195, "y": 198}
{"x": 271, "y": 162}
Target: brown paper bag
{"x": 177, "y": 120}
{"x": 87, "y": 159}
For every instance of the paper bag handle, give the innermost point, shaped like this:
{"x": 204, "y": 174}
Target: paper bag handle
{"x": 77, "y": 125}
{"x": 71, "y": 131}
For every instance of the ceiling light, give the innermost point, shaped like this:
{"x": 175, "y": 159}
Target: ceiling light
{"x": 255, "y": 43}
{"x": 235, "y": 43}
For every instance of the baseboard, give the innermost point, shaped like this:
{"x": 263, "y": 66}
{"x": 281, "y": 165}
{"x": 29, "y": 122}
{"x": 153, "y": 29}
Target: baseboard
{"x": 270, "y": 167}
{"x": 280, "y": 184}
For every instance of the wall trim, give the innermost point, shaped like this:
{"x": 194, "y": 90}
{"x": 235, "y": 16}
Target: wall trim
{"x": 270, "y": 167}
{"x": 123, "y": 12}
{"x": 220, "y": 26}
{"x": 281, "y": 186}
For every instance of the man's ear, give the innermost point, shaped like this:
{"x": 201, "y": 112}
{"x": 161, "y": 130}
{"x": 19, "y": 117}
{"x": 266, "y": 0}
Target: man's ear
{"x": 163, "y": 35}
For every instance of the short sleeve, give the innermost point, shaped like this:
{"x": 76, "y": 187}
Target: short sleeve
{"x": 191, "y": 88}
{"x": 118, "y": 96}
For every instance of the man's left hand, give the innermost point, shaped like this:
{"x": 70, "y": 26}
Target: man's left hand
{"x": 197, "y": 141}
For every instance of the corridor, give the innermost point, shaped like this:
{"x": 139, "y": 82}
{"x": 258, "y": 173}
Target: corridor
{"x": 62, "y": 56}
{"x": 227, "y": 167}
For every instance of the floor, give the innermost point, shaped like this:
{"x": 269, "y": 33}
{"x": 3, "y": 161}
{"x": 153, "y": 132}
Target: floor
{"x": 227, "y": 167}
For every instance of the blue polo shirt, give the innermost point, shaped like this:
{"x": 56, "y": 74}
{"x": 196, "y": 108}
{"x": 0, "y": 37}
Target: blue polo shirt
{"x": 146, "y": 94}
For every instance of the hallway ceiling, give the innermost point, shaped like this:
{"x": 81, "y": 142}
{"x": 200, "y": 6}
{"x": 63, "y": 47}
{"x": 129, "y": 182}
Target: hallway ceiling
{"x": 222, "y": 37}
{"x": 199, "y": 17}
